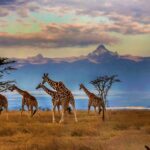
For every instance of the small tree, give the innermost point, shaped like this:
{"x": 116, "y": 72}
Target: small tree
{"x": 5, "y": 68}
{"x": 103, "y": 84}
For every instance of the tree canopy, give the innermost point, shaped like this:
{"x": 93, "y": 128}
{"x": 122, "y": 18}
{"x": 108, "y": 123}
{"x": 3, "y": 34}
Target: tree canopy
{"x": 5, "y": 68}
{"x": 103, "y": 84}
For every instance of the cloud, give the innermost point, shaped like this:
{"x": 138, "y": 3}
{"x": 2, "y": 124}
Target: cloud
{"x": 78, "y": 35}
{"x": 3, "y": 12}
{"x": 127, "y": 17}
{"x": 137, "y": 9}
{"x": 126, "y": 25}
{"x": 56, "y": 35}
{"x": 21, "y": 7}
{"x": 124, "y": 14}
{"x": 73, "y": 35}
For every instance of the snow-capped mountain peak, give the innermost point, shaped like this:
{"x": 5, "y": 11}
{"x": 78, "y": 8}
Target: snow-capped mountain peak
{"x": 101, "y": 54}
{"x": 100, "y": 50}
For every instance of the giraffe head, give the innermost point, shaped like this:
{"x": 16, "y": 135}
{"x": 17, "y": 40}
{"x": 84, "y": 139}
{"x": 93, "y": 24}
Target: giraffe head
{"x": 39, "y": 86}
{"x": 81, "y": 86}
{"x": 12, "y": 88}
{"x": 45, "y": 77}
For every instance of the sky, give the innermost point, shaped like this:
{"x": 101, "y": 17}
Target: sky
{"x": 65, "y": 28}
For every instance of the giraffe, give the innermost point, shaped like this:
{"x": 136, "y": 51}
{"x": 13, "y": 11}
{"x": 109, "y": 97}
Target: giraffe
{"x": 58, "y": 86}
{"x": 63, "y": 90}
{"x": 57, "y": 100}
{"x": 53, "y": 94}
{"x": 3, "y": 103}
{"x": 94, "y": 100}
{"x": 27, "y": 99}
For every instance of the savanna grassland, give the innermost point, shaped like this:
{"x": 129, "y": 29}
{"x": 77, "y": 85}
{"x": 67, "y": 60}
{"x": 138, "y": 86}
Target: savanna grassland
{"x": 122, "y": 130}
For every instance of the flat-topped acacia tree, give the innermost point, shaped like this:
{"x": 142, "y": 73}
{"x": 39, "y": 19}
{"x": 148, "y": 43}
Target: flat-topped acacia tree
{"x": 5, "y": 68}
{"x": 103, "y": 84}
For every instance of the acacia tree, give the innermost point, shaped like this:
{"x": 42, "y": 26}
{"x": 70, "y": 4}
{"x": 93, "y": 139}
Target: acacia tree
{"x": 5, "y": 68}
{"x": 103, "y": 84}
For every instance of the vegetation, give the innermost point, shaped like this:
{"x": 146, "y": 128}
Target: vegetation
{"x": 122, "y": 130}
{"x": 103, "y": 84}
{"x": 5, "y": 68}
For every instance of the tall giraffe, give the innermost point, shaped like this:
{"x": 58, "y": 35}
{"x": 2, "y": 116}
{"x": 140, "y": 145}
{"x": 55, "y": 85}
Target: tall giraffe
{"x": 94, "y": 100}
{"x": 63, "y": 90}
{"x": 27, "y": 99}
{"x": 57, "y": 100}
{"x": 3, "y": 103}
{"x": 53, "y": 94}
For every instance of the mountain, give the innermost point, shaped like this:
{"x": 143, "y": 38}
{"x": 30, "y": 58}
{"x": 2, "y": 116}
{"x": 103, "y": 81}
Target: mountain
{"x": 133, "y": 71}
{"x": 100, "y": 55}
{"x": 101, "y": 50}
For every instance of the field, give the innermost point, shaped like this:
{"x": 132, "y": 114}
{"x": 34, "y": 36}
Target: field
{"x": 122, "y": 130}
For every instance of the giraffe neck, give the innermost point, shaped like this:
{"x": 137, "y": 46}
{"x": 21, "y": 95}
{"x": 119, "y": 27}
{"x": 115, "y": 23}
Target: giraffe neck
{"x": 21, "y": 92}
{"x": 88, "y": 93}
{"x": 48, "y": 91}
{"x": 52, "y": 83}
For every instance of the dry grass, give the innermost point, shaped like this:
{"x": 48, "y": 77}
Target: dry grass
{"x": 122, "y": 130}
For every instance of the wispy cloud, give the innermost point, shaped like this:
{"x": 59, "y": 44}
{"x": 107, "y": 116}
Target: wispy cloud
{"x": 21, "y": 7}
{"x": 3, "y": 12}
{"x": 70, "y": 35}
{"x": 64, "y": 35}
{"x": 137, "y": 10}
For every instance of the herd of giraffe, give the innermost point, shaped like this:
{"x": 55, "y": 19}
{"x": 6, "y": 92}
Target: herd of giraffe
{"x": 61, "y": 96}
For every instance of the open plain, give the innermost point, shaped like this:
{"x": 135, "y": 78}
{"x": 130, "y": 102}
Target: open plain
{"x": 121, "y": 130}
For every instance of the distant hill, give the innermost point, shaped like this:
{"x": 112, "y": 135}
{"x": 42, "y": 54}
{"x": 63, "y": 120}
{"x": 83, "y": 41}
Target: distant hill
{"x": 133, "y": 71}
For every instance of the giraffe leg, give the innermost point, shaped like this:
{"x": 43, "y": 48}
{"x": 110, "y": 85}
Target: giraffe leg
{"x": 22, "y": 110}
{"x": 75, "y": 115}
{"x": 99, "y": 109}
{"x": 103, "y": 117}
{"x": 62, "y": 115}
{"x": 28, "y": 110}
{"x": 31, "y": 107}
{"x": 36, "y": 109}
{"x": 54, "y": 105}
{"x": 74, "y": 110}
{"x": 23, "y": 103}
{"x": 58, "y": 107}
{"x": 95, "y": 109}
{"x": 53, "y": 114}
{"x": 89, "y": 109}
